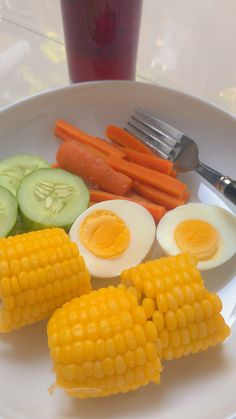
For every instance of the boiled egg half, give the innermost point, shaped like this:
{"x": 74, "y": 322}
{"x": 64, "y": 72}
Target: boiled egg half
{"x": 205, "y": 231}
{"x": 112, "y": 236}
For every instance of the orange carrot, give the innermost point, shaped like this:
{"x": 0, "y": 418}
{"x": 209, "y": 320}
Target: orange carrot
{"x": 127, "y": 140}
{"x": 147, "y": 176}
{"x": 173, "y": 173}
{"x": 157, "y": 211}
{"x": 152, "y": 162}
{"x": 96, "y": 151}
{"x": 55, "y": 166}
{"x": 135, "y": 196}
{"x": 66, "y": 132}
{"x": 77, "y": 159}
{"x": 63, "y": 135}
{"x": 157, "y": 196}
{"x": 66, "y": 137}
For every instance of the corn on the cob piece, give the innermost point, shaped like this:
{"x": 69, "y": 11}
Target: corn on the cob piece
{"x": 102, "y": 344}
{"x": 39, "y": 271}
{"x": 187, "y": 316}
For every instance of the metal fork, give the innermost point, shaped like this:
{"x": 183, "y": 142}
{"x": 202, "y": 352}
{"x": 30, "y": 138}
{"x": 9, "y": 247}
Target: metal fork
{"x": 173, "y": 145}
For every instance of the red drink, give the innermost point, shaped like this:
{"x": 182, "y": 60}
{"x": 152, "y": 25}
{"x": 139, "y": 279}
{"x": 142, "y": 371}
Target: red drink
{"x": 101, "y": 38}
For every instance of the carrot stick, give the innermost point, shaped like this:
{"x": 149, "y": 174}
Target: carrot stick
{"x": 66, "y": 137}
{"x": 55, "y": 166}
{"x": 135, "y": 196}
{"x": 63, "y": 135}
{"x": 152, "y": 162}
{"x": 127, "y": 140}
{"x": 147, "y": 176}
{"x": 157, "y": 196}
{"x": 157, "y": 211}
{"x": 66, "y": 132}
{"x": 173, "y": 173}
{"x": 96, "y": 151}
{"x": 77, "y": 159}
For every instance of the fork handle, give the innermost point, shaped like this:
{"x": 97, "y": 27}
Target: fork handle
{"x": 228, "y": 187}
{"x": 224, "y": 184}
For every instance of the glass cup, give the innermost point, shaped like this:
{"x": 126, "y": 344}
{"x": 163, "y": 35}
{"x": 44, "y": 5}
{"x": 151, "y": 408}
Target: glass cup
{"x": 101, "y": 38}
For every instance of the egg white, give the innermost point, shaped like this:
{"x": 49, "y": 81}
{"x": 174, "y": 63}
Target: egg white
{"x": 142, "y": 230}
{"x": 223, "y": 221}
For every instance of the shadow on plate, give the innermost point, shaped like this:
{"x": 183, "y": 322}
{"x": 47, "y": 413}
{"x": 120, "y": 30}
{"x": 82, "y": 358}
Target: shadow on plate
{"x": 26, "y": 344}
{"x": 176, "y": 377}
{"x": 218, "y": 278}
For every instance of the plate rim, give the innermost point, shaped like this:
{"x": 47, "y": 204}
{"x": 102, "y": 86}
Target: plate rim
{"x": 77, "y": 87}
{"x": 84, "y": 85}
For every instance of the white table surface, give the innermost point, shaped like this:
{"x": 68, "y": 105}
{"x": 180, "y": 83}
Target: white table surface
{"x": 185, "y": 44}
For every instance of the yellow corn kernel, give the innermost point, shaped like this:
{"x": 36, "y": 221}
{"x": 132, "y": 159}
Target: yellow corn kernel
{"x": 129, "y": 375}
{"x": 37, "y": 280}
{"x": 179, "y": 295}
{"x": 126, "y": 320}
{"x": 188, "y": 312}
{"x": 184, "y": 336}
{"x": 181, "y": 318}
{"x": 130, "y": 359}
{"x": 198, "y": 312}
{"x": 139, "y": 316}
{"x": 202, "y": 329}
{"x": 211, "y": 325}
{"x": 149, "y": 289}
{"x": 137, "y": 280}
{"x": 215, "y": 303}
{"x": 9, "y": 303}
{"x": 108, "y": 364}
{"x": 158, "y": 320}
{"x": 120, "y": 365}
{"x": 68, "y": 372}
{"x": 161, "y": 303}
{"x": 149, "y": 307}
{"x": 175, "y": 339}
{"x": 105, "y": 329}
{"x": 139, "y": 334}
{"x": 164, "y": 337}
{"x": 5, "y": 287}
{"x": 4, "y": 267}
{"x": 170, "y": 320}
{"x": 158, "y": 284}
{"x": 110, "y": 348}
{"x": 186, "y": 316}
{"x": 188, "y": 294}
{"x": 135, "y": 292}
{"x": 150, "y": 331}
{"x": 130, "y": 340}
{"x": 193, "y": 330}
{"x": 172, "y": 302}
{"x": 119, "y": 342}
{"x": 98, "y": 371}
{"x": 198, "y": 291}
{"x": 15, "y": 284}
{"x": 207, "y": 309}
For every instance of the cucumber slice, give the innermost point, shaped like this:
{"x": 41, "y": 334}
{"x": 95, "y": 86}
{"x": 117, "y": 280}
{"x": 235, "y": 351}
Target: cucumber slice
{"x": 8, "y": 211}
{"x": 14, "y": 169}
{"x": 50, "y": 198}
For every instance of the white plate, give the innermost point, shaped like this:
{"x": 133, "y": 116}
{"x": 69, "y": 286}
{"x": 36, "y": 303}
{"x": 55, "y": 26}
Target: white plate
{"x": 198, "y": 386}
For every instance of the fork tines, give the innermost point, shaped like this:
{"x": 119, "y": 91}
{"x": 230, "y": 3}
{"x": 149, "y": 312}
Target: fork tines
{"x": 156, "y": 134}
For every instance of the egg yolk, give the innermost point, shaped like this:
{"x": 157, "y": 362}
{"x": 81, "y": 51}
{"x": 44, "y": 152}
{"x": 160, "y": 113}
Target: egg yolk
{"x": 197, "y": 237}
{"x": 104, "y": 234}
